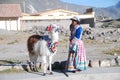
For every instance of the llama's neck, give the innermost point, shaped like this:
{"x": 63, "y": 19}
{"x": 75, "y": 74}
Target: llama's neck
{"x": 54, "y": 37}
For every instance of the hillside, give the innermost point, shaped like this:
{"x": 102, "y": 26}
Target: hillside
{"x": 112, "y": 11}
{"x": 34, "y": 6}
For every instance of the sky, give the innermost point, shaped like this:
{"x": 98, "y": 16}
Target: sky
{"x": 94, "y": 3}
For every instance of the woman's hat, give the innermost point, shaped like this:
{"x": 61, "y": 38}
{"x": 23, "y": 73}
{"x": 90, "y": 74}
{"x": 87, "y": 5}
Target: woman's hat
{"x": 76, "y": 18}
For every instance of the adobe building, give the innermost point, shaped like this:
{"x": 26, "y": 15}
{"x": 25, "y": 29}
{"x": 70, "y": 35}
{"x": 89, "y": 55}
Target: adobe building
{"x": 89, "y": 20}
{"x": 10, "y": 16}
{"x": 58, "y": 16}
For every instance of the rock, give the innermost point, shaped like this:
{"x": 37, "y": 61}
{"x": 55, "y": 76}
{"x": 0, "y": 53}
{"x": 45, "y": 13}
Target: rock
{"x": 91, "y": 37}
{"x": 2, "y": 68}
{"x": 18, "y": 67}
{"x": 94, "y": 63}
{"x": 117, "y": 60}
{"x": 113, "y": 62}
{"x": 87, "y": 63}
{"x": 107, "y": 39}
{"x": 105, "y": 63}
{"x": 99, "y": 39}
{"x": 118, "y": 40}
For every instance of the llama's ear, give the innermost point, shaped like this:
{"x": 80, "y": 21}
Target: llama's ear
{"x": 57, "y": 30}
{"x": 49, "y": 28}
{"x": 46, "y": 28}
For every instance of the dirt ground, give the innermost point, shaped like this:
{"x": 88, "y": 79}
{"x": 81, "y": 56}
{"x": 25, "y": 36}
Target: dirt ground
{"x": 13, "y": 47}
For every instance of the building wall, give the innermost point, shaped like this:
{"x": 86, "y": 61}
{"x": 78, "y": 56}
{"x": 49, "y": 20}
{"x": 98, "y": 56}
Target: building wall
{"x": 89, "y": 21}
{"x": 63, "y": 23}
{"x": 10, "y": 23}
{"x": 29, "y": 24}
{"x": 22, "y": 25}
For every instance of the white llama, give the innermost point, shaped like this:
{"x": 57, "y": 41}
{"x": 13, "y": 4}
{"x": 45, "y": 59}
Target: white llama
{"x": 44, "y": 48}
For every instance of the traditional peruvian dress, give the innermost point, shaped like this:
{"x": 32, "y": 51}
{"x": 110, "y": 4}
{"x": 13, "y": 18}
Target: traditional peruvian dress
{"x": 77, "y": 54}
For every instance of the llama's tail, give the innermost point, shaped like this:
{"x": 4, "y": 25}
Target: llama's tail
{"x": 30, "y": 44}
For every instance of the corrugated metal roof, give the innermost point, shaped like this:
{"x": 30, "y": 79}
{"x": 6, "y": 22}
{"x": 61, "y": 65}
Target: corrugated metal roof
{"x": 10, "y": 10}
{"x": 56, "y": 10}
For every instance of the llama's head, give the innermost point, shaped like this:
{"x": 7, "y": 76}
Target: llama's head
{"x": 53, "y": 30}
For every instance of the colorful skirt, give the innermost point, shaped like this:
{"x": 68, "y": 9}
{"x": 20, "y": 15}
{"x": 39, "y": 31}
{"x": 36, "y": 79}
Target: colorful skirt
{"x": 77, "y": 56}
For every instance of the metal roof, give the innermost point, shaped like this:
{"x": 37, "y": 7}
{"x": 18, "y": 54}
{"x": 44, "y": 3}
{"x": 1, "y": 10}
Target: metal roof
{"x": 10, "y": 10}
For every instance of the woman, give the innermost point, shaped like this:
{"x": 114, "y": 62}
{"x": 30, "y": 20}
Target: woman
{"x": 77, "y": 56}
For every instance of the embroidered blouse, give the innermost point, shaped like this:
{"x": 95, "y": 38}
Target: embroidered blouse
{"x": 77, "y": 33}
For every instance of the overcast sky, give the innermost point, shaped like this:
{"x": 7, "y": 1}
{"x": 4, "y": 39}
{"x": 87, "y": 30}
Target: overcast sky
{"x": 94, "y": 3}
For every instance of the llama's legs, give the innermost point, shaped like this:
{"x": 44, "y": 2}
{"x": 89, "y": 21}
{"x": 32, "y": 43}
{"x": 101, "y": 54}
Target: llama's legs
{"x": 31, "y": 63}
{"x": 44, "y": 69}
{"x": 50, "y": 64}
{"x": 44, "y": 64}
{"x": 33, "y": 60}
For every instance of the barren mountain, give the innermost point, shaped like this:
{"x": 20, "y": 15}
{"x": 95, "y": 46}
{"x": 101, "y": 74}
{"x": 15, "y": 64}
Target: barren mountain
{"x": 34, "y": 6}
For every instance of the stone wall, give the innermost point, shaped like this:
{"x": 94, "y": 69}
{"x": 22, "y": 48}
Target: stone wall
{"x": 29, "y": 24}
{"x": 64, "y": 24}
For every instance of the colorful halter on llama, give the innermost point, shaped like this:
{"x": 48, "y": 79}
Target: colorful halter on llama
{"x": 49, "y": 28}
{"x": 52, "y": 46}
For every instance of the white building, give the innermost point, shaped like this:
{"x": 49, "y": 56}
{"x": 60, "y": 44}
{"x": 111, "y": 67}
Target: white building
{"x": 10, "y": 16}
{"x": 59, "y": 16}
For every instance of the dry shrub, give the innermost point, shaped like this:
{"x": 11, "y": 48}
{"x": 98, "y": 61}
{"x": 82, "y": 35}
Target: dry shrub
{"x": 115, "y": 50}
{"x": 13, "y": 42}
{"x": 112, "y": 24}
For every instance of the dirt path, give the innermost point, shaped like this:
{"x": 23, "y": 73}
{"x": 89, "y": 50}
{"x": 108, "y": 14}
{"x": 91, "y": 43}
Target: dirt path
{"x": 13, "y": 48}
{"x": 111, "y": 73}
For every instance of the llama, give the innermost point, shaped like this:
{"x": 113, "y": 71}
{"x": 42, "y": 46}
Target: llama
{"x": 43, "y": 46}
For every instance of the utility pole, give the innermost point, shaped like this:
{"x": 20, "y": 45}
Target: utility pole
{"x": 24, "y": 5}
